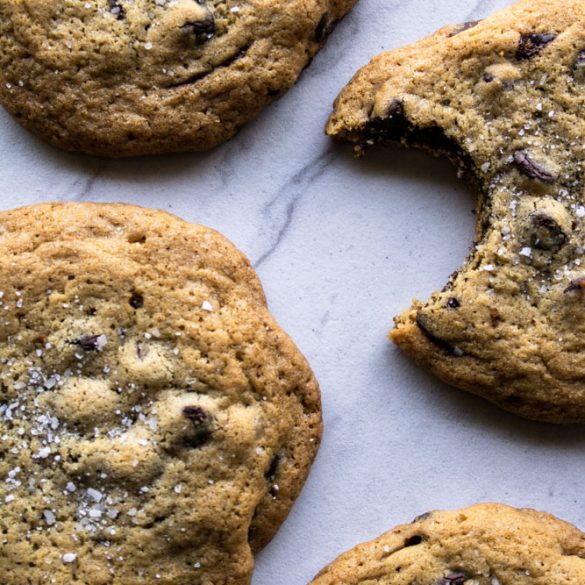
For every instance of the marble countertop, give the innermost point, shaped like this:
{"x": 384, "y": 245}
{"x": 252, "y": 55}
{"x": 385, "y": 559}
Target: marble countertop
{"x": 341, "y": 245}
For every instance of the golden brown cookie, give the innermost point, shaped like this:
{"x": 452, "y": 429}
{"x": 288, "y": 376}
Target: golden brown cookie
{"x": 504, "y": 99}
{"x": 156, "y": 423}
{"x": 487, "y": 544}
{"x": 130, "y": 77}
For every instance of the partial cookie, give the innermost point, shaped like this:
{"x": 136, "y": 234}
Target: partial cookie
{"x": 503, "y": 98}
{"x": 130, "y": 77}
{"x": 156, "y": 423}
{"x": 487, "y": 544}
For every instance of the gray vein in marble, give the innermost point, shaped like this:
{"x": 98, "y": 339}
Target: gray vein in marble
{"x": 88, "y": 181}
{"x": 394, "y": 6}
{"x": 290, "y": 196}
{"x": 327, "y": 315}
{"x": 229, "y": 157}
{"x": 481, "y": 9}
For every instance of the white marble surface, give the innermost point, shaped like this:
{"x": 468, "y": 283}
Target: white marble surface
{"x": 342, "y": 245}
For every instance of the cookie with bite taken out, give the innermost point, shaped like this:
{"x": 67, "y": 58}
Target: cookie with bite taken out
{"x": 503, "y": 98}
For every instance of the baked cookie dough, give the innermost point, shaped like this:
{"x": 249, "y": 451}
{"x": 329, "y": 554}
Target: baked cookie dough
{"x": 156, "y": 423}
{"x": 504, "y": 99}
{"x": 129, "y": 77}
{"x": 487, "y": 544}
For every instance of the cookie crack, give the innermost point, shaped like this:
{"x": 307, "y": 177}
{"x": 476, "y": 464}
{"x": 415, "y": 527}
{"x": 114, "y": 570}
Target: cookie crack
{"x": 227, "y": 62}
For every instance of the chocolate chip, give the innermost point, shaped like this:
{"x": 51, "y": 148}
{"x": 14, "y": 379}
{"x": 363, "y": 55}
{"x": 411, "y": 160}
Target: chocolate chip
{"x": 89, "y": 342}
{"x": 453, "y": 578}
{"x": 270, "y": 475}
{"x": 450, "y": 280}
{"x": 272, "y": 468}
{"x": 413, "y": 540}
{"x": 546, "y": 234}
{"x": 324, "y": 28}
{"x": 532, "y": 43}
{"x": 463, "y": 27}
{"x": 576, "y": 284}
{"x": 202, "y": 425}
{"x": 453, "y": 303}
{"x": 195, "y": 414}
{"x": 117, "y": 9}
{"x": 579, "y": 67}
{"x": 395, "y": 121}
{"x": 530, "y": 168}
{"x": 136, "y": 301}
{"x": 421, "y": 517}
{"x": 394, "y": 126}
{"x": 202, "y": 30}
{"x": 422, "y": 323}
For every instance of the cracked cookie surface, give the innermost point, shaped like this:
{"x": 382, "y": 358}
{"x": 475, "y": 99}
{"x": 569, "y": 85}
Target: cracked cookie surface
{"x": 486, "y": 544}
{"x": 503, "y": 98}
{"x": 130, "y": 77}
{"x": 156, "y": 423}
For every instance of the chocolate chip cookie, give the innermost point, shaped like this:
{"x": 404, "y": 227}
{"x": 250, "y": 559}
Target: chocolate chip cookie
{"x": 129, "y": 77}
{"x": 156, "y": 423}
{"x": 503, "y": 98}
{"x": 487, "y": 544}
